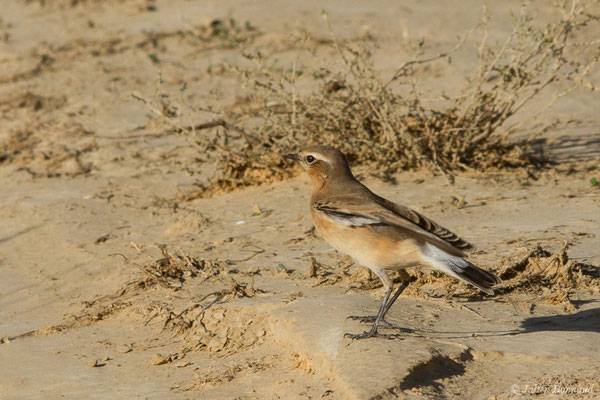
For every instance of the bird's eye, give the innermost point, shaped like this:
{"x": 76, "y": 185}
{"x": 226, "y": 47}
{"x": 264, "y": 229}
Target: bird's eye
{"x": 310, "y": 159}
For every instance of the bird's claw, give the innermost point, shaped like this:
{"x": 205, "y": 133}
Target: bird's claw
{"x": 370, "y": 319}
{"x": 375, "y": 334}
{"x": 364, "y": 319}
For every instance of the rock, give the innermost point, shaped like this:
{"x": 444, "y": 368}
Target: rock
{"x": 123, "y": 349}
{"x": 217, "y": 343}
{"x": 159, "y": 359}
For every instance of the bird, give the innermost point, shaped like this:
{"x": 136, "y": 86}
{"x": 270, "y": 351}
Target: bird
{"x": 378, "y": 233}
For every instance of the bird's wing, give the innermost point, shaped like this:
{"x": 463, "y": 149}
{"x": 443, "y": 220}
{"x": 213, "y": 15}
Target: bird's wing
{"x": 426, "y": 224}
{"x": 350, "y": 212}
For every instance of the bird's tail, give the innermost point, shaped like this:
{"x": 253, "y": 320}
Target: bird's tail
{"x": 460, "y": 268}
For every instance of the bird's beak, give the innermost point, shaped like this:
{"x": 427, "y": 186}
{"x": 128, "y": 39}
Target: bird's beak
{"x": 292, "y": 156}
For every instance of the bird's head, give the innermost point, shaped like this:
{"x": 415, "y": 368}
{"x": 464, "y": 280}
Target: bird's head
{"x": 322, "y": 163}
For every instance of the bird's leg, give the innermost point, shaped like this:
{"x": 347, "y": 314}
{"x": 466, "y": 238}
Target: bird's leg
{"x": 399, "y": 291}
{"x": 373, "y": 332}
{"x": 383, "y": 309}
{"x": 388, "y": 284}
{"x": 388, "y": 305}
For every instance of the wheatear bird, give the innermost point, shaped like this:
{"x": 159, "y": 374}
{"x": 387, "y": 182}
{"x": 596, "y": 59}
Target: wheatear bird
{"x": 377, "y": 233}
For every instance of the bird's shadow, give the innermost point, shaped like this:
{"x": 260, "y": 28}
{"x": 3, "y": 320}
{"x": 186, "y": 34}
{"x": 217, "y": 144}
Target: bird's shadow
{"x": 582, "y": 321}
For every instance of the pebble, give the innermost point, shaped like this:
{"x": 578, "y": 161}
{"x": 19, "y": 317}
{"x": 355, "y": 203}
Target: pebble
{"x": 123, "y": 349}
{"x": 159, "y": 359}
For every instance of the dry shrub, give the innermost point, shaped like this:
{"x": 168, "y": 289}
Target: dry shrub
{"x": 386, "y": 125}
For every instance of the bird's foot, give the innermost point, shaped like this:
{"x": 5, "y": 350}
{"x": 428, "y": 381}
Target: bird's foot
{"x": 373, "y": 334}
{"x": 364, "y": 319}
{"x": 384, "y": 323}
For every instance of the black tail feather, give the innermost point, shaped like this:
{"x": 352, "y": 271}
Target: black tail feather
{"x": 476, "y": 276}
{"x": 460, "y": 268}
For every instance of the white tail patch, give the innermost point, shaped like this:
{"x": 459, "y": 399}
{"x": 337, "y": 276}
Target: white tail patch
{"x": 459, "y": 268}
{"x": 443, "y": 261}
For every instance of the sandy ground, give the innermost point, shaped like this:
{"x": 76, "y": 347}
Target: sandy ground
{"x": 87, "y": 196}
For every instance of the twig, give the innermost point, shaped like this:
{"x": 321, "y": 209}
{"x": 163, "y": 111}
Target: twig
{"x": 190, "y": 129}
{"x": 400, "y": 71}
{"x": 226, "y": 125}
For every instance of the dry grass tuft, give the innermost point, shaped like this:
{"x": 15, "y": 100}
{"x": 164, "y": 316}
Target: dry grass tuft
{"x": 550, "y": 276}
{"x": 172, "y": 270}
{"x": 18, "y": 143}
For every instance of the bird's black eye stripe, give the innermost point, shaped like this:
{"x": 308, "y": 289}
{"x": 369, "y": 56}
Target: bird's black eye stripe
{"x": 310, "y": 159}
